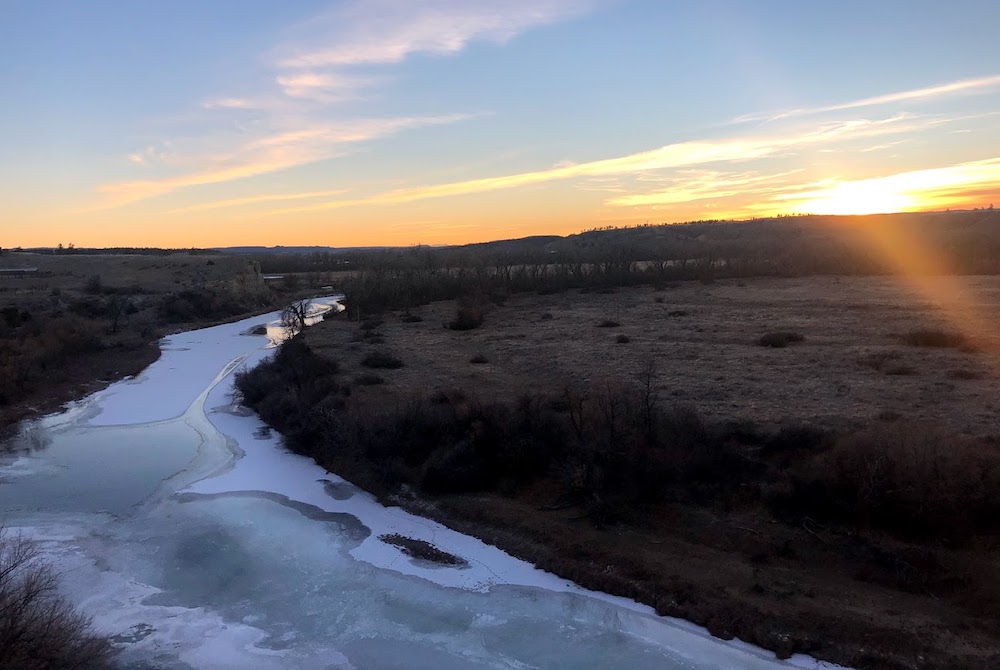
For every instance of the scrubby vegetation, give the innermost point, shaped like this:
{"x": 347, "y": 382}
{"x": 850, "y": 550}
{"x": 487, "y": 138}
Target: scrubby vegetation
{"x": 39, "y": 630}
{"x": 780, "y": 339}
{"x": 369, "y": 380}
{"x": 913, "y": 481}
{"x": 929, "y": 337}
{"x": 383, "y": 360}
{"x": 618, "y": 450}
{"x": 470, "y": 313}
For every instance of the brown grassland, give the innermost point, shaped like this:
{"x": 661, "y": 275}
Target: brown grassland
{"x": 830, "y": 489}
{"x": 703, "y": 340}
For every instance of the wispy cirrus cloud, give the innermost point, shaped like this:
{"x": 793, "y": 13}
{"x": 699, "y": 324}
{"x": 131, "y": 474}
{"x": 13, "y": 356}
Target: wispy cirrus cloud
{"x": 230, "y": 103}
{"x": 669, "y": 157}
{"x": 265, "y": 154}
{"x": 961, "y": 87}
{"x": 694, "y": 185}
{"x": 378, "y": 32}
{"x": 315, "y": 68}
{"x": 253, "y": 200}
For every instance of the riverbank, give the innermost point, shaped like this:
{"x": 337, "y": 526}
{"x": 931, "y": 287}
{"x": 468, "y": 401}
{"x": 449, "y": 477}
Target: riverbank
{"x": 253, "y": 557}
{"x": 737, "y": 553}
{"x": 82, "y": 322}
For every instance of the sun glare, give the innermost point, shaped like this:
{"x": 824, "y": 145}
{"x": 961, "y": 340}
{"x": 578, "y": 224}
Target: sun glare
{"x": 954, "y": 186}
{"x": 857, "y": 198}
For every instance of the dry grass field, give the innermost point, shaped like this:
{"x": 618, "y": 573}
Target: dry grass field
{"x": 853, "y": 367}
{"x": 154, "y": 274}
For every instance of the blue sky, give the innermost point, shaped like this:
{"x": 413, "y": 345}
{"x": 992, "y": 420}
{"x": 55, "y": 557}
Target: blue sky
{"x": 373, "y": 122}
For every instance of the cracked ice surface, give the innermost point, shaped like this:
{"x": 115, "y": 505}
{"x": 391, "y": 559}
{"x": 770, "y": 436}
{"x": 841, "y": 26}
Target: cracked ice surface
{"x": 196, "y": 541}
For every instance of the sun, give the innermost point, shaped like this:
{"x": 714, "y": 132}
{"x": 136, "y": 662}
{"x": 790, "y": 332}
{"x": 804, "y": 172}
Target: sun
{"x": 862, "y": 197}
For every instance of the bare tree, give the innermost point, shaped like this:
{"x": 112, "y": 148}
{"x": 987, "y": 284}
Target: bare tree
{"x": 293, "y": 317}
{"x": 118, "y": 307}
{"x": 39, "y": 630}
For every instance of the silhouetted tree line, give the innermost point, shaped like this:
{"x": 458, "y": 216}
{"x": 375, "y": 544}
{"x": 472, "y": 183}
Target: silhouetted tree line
{"x": 963, "y": 242}
{"x": 73, "y": 250}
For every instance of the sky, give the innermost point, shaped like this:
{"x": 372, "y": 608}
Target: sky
{"x": 399, "y": 122}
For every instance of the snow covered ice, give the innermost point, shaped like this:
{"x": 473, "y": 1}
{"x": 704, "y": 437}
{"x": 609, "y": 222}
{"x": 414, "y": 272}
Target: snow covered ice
{"x": 194, "y": 540}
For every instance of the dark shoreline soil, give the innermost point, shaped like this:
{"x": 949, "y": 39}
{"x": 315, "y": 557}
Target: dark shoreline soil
{"x": 83, "y": 376}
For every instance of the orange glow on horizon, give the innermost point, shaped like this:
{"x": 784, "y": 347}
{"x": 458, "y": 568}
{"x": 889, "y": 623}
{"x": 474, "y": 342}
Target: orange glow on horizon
{"x": 920, "y": 190}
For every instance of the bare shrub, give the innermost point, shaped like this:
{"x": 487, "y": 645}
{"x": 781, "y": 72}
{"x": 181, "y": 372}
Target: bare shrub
{"x": 623, "y": 339}
{"x": 469, "y": 314}
{"x": 39, "y": 630}
{"x": 479, "y": 359}
{"x": 294, "y": 315}
{"x": 877, "y": 360}
{"x": 608, "y": 323}
{"x": 907, "y": 479}
{"x": 94, "y": 285}
{"x": 901, "y": 371}
{"x": 780, "y": 339}
{"x": 381, "y": 359}
{"x": 929, "y": 337}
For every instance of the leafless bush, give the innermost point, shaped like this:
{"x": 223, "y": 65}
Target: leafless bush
{"x": 907, "y": 479}
{"x": 901, "y": 371}
{"x": 928, "y": 337}
{"x": 381, "y": 359}
{"x": 39, "y": 630}
{"x": 877, "y": 360}
{"x": 780, "y": 339}
{"x": 293, "y": 316}
{"x": 469, "y": 314}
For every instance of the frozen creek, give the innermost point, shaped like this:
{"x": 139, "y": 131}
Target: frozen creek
{"x": 194, "y": 540}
